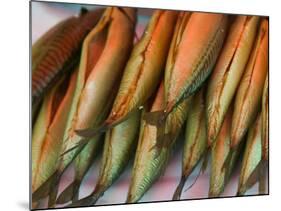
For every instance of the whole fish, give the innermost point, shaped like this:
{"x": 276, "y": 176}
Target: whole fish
{"x": 151, "y": 159}
{"x": 119, "y": 147}
{"x": 195, "y": 142}
{"x": 228, "y": 71}
{"x": 143, "y": 71}
{"x": 104, "y": 54}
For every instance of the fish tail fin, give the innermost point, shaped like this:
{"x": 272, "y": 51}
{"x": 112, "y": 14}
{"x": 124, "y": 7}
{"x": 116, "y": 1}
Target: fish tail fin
{"x": 79, "y": 145}
{"x": 202, "y": 170}
{"x": 87, "y": 201}
{"x": 70, "y": 193}
{"x": 205, "y": 158}
{"x": 228, "y": 159}
{"x": 45, "y": 189}
{"x": 252, "y": 179}
{"x": 53, "y": 193}
{"x": 156, "y": 118}
{"x": 178, "y": 191}
{"x": 91, "y": 132}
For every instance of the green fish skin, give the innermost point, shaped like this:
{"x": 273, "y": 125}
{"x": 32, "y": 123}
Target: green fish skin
{"x": 152, "y": 157}
{"x": 119, "y": 147}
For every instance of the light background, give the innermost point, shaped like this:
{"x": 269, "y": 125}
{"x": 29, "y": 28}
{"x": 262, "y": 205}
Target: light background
{"x": 14, "y": 86}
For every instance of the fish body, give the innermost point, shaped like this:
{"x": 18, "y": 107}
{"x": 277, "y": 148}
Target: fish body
{"x": 228, "y": 71}
{"x": 152, "y": 156}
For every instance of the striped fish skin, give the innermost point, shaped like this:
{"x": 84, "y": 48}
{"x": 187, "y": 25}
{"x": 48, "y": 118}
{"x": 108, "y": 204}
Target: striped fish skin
{"x": 149, "y": 163}
{"x": 203, "y": 33}
{"x": 60, "y": 52}
{"x": 48, "y": 131}
{"x": 249, "y": 94}
{"x": 41, "y": 44}
{"x": 143, "y": 70}
{"x": 228, "y": 71}
{"x": 252, "y": 158}
{"x": 94, "y": 94}
{"x": 104, "y": 54}
{"x": 119, "y": 148}
{"x": 219, "y": 174}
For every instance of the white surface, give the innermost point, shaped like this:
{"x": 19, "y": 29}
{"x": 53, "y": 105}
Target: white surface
{"x": 14, "y": 106}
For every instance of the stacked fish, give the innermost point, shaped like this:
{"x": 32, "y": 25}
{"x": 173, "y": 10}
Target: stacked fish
{"x": 94, "y": 89}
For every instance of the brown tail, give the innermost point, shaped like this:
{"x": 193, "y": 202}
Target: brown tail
{"x": 45, "y": 189}
{"x": 70, "y": 193}
{"x": 253, "y": 178}
{"x": 177, "y": 194}
{"x": 87, "y": 201}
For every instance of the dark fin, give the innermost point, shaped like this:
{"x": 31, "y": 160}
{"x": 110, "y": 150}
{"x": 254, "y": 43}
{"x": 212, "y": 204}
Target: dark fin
{"x": 162, "y": 142}
{"x": 91, "y": 132}
{"x": 129, "y": 18}
{"x": 155, "y": 118}
{"x": 44, "y": 190}
{"x": 83, "y": 11}
{"x": 205, "y": 161}
{"x": 202, "y": 169}
{"x": 70, "y": 193}
{"x": 76, "y": 191}
{"x": 80, "y": 144}
{"x": 262, "y": 177}
{"x": 177, "y": 194}
{"x": 53, "y": 193}
{"x": 253, "y": 178}
{"x": 228, "y": 159}
{"x": 87, "y": 201}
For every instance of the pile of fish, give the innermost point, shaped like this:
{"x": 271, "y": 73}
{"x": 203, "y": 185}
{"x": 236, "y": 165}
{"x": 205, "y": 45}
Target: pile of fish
{"x": 97, "y": 87}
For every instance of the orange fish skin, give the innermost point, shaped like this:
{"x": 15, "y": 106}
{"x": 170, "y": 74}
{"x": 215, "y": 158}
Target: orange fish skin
{"x": 228, "y": 71}
{"x": 249, "y": 94}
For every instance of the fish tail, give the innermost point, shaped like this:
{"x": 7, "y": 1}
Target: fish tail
{"x": 91, "y": 132}
{"x": 228, "y": 159}
{"x": 179, "y": 188}
{"x": 205, "y": 161}
{"x": 202, "y": 169}
{"x": 253, "y": 178}
{"x": 70, "y": 193}
{"x": 87, "y": 201}
{"x": 53, "y": 193}
{"x": 45, "y": 189}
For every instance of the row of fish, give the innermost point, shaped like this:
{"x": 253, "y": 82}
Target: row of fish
{"x": 94, "y": 89}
